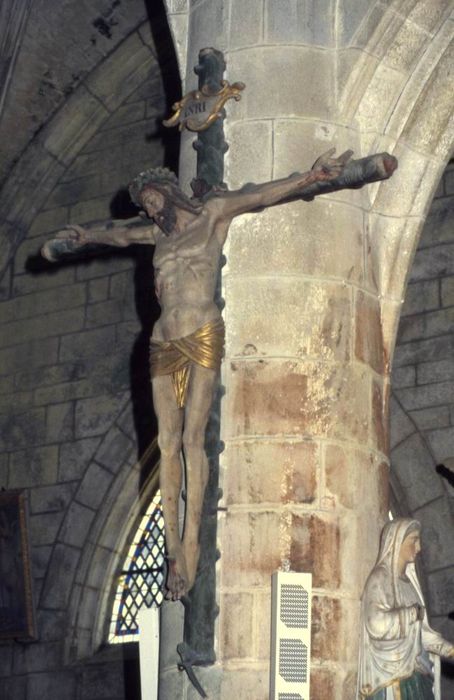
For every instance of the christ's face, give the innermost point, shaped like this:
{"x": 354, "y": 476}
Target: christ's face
{"x": 159, "y": 208}
{"x": 152, "y": 201}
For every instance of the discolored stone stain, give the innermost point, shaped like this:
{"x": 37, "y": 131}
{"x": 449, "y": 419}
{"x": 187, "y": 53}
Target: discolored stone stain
{"x": 315, "y": 548}
{"x": 338, "y": 473}
{"x": 106, "y": 21}
{"x": 265, "y": 557}
{"x": 238, "y": 609}
{"x": 48, "y": 85}
{"x": 251, "y": 548}
{"x": 294, "y": 398}
{"x": 383, "y": 488}
{"x": 271, "y": 472}
{"x": 249, "y": 349}
{"x": 348, "y": 474}
{"x": 369, "y": 345}
{"x": 263, "y": 402}
{"x": 102, "y": 27}
{"x": 335, "y": 329}
{"x": 349, "y": 686}
{"x": 299, "y": 483}
{"x": 323, "y": 684}
{"x": 379, "y": 419}
{"x": 285, "y": 397}
{"x": 326, "y": 628}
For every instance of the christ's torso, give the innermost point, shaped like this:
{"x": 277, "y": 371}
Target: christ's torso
{"x": 186, "y": 266}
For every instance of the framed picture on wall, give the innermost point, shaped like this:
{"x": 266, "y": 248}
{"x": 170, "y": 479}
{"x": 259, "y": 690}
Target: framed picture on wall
{"x": 17, "y": 619}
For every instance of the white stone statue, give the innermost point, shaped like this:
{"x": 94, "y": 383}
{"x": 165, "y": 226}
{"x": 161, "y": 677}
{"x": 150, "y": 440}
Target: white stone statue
{"x": 399, "y": 651}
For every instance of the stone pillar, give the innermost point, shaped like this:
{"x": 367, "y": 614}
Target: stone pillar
{"x": 304, "y": 471}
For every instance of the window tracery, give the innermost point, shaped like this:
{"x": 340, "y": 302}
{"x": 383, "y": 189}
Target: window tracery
{"x": 141, "y": 579}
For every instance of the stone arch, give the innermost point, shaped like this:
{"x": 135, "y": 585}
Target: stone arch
{"x": 397, "y": 92}
{"x": 413, "y": 478}
{"x": 56, "y": 146}
{"x": 394, "y": 86}
{"x": 419, "y": 492}
{"x": 421, "y": 426}
{"x": 177, "y": 16}
{"x": 104, "y": 548}
{"x": 136, "y": 495}
{"x": 84, "y": 563}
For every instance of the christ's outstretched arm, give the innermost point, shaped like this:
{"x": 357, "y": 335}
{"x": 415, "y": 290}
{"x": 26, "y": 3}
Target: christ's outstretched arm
{"x": 93, "y": 236}
{"x": 252, "y": 197}
{"x": 328, "y": 174}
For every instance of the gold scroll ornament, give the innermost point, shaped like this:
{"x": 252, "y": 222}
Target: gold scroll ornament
{"x": 200, "y": 108}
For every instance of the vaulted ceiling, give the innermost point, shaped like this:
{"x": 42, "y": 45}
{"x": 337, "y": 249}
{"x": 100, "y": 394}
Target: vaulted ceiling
{"x": 65, "y": 68}
{"x": 48, "y": 49}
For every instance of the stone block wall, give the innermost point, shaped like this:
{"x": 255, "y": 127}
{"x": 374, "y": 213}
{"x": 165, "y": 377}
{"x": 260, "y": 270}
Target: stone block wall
{"x": 422, "y": 409}
{"x": 73, "y": 377}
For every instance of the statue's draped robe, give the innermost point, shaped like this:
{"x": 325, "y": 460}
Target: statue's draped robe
{"x": 396, "y": 647}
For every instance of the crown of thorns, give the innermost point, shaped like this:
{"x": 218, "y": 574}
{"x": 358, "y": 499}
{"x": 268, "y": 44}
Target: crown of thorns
{"x": 147, "y": 177}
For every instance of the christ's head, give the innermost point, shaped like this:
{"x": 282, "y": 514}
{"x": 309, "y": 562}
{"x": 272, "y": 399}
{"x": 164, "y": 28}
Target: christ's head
{"x": 158, "y": 205}
{"x": 156, "y": 190}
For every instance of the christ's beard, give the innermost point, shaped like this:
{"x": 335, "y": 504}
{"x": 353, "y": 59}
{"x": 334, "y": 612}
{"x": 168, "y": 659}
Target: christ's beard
{"x": 166, "y": 219}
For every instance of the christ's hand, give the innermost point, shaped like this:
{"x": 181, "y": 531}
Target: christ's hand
{"x": 328, "y": 168}
{"x": 66, "y": 241}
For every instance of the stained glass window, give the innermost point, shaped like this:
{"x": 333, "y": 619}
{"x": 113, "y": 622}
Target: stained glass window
{"x": 140, "y": 582}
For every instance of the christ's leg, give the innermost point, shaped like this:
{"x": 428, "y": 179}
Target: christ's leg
{"x": 170, "y": 425}
{"x": 200, "y": 397}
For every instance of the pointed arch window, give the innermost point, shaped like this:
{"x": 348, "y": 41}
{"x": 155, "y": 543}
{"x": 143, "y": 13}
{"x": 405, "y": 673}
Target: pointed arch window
{"x": 141, "y": 579}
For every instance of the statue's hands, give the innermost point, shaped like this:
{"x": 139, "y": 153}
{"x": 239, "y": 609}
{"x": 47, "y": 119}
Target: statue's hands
{"x": 66, "y": 241}
{"x": 75, "y": 233}
{"x": 328, "y": 168}
{"x": 418, "y": 612}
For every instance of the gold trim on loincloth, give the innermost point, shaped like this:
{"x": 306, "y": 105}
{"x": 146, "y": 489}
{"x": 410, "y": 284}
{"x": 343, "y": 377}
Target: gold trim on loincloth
{"x": 204, "y": 347}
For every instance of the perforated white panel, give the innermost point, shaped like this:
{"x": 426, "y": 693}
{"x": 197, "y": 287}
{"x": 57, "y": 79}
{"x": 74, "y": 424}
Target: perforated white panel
{"x": 290, "y": 636}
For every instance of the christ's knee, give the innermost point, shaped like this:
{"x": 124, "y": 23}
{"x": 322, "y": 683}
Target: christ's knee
{"x": 169, "y": 446}
{"x": 194, "y": 453}
{"x": 193, "y": 441}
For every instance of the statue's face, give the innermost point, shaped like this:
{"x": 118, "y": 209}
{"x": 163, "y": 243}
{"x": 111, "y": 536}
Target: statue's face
{"x": 159, "y": 208}
{"x": 152, "y": 201}
{"x": 410, "y": 548}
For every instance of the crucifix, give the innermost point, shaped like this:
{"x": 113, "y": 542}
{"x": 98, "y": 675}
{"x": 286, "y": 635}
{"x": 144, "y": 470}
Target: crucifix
{"x": 186, "y": 345}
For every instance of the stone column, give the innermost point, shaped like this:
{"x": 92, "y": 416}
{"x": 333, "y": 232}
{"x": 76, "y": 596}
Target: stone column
{"x": 304, "y": 471}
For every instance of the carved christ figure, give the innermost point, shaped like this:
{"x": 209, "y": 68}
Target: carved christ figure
{"x": 187, "y": 341}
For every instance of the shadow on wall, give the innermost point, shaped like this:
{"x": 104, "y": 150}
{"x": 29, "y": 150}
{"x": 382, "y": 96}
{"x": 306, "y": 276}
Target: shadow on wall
{"x": 168, "y": 65}
{"x": 147, "y": 306}
{"x": 447, "y": 471}
{"x": 121, "y": 207}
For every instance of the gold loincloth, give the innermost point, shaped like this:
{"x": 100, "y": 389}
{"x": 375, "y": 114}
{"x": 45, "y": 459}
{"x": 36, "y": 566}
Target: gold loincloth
{"x": 204, "y": 347}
